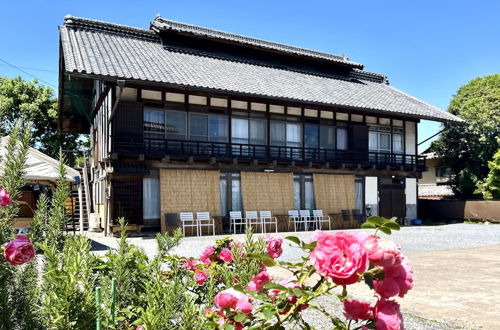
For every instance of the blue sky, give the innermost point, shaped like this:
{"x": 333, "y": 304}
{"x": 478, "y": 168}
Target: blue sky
{"x": 426, "y": 48}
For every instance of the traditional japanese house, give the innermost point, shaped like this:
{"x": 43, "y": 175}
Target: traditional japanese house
{"x": 185, "y": 118}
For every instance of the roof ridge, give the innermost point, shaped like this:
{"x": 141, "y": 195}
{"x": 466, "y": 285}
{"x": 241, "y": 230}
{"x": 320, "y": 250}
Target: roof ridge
{"x": 70, "y": 20}
{"x": 160, "y": 23}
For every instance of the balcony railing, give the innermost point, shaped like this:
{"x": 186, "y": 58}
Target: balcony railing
{"x": 158, "y": 148}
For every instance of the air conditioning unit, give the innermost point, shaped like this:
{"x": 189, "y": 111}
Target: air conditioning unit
{"x": 95, "y": 222}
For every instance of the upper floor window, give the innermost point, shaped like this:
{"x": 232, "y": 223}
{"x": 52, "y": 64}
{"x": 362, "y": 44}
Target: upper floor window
{"x": 325, "y": 137}
{"x": 286, "y": 134}
{"x": 204, "y": 127}
{"x": 248, "y": 131}
{"x": 385, "y": 139}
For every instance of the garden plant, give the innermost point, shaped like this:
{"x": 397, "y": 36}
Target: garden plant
{"x": 48, "y": 279}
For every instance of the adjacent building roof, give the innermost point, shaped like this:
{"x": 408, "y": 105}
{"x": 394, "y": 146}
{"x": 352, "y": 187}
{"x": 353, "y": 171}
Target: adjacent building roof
{"x": 111, "y": 51}
{"x": 432, "y": 190}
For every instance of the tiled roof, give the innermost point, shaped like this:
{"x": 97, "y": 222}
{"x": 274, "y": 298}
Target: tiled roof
{"x": 162, "y": 24}
{"x": 429, "y": 190}
{"x": 113, "y": 51}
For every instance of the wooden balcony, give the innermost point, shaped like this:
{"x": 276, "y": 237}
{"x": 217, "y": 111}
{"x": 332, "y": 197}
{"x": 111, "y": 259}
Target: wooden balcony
{"x": 160, "y": 148}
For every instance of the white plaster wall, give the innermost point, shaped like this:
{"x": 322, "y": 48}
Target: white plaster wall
{"x": 371, "y": 194}
{"x": 411, "y": 191}
{"x": 410, "y": 137}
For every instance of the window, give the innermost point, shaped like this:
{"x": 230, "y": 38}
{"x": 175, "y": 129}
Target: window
{"x": 359, "y": 202}
{"x": 327, "y": 137}
{"x": 175, "y": 125}
{"x": 207, "y": 128}
{"x": 397, "y": 140}
{"x": 443, "y": 172}
{"x": 341, "y": 138}
{"x": 151, "y": 197}
{"x": 286, "y": 134}
{"x": 303, "y": 192}
{"x": 230, "y": 193}
{"x": 154, "y": 123}
{"x": 379, "y": 139}
{"x": 246, "y": 131}
{"x": 311, "y": 136}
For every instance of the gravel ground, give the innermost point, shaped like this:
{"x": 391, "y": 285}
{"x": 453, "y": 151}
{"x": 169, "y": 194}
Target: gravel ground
{"x": 411, "y": 239}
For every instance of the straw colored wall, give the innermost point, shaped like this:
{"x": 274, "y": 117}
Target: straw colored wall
{"x": 267, "y": 192}
{"x": 190, "y": 191}
{"x": 334, "y": 193}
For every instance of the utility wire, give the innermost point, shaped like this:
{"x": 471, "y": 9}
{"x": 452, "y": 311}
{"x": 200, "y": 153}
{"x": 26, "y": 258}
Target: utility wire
{"x": 32, "y": 69}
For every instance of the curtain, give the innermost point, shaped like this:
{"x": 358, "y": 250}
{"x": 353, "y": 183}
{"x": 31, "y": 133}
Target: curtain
{"x": 236, "y": 202}
{"x": 397, "y": 144}
{"x": 278, "y": 134}
{"x": 342, "y": 138}
{"x": 258, "y": 132}
{"x": 327, "y": 137}
{"x": 308, "y": 195}
{"x": 239, "y": 130}
{"x": 293, "y": 135}
{"x": 151, "y": 198}
{"x": 373, "y": 141}
{"x": 359, "y": 196}
{"x": 223, "y": 196}
{"x": 296, "y": 194}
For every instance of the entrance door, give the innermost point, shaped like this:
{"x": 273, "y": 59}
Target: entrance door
{"x": 392, "y": 203}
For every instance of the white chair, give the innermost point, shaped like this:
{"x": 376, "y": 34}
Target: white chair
{"x": 251, "y": 218}
{"x": 235, "y": 219}
{"x": 305, "y": 216}
{"x": 293, "y": 216}
{"x": 320, "y": 219}
{"x": 267, "y": 218}
{"x": 204, "y": 220}
{"x": 187, "y": 220}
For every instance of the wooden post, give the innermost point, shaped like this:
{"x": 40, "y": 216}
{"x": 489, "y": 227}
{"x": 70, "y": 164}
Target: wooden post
{"x": 98, "y": 322}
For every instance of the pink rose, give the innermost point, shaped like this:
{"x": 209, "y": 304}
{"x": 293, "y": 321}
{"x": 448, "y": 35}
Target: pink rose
{"x": 189, "y": 264}
{"x": 200, "y": 277}
{"x": 233, "y": 299}
{"x": 4, "y": 197}
{"x": 357, "y": 310}
{"x": 317, "y": 235}
{"x": 19, "y": 251}
{"x": 274, "y": 249}
{"x": 140, "y": 327}
{"x": 258, "y": 281}
{"x": 205, "y": 255}
{"x": 340, "y": 257}
{"x": 226, "y": 255}
{"x": 388, "y": 316}
{"x": 398, "y": 280}
{"x": 383, "y": 252}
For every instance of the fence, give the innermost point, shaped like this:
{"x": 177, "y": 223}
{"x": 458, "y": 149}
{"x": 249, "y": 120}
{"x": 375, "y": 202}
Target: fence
{"x": 459, "y": 209}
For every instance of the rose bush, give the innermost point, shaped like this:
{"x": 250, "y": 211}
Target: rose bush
{"x": 19, "y": 251}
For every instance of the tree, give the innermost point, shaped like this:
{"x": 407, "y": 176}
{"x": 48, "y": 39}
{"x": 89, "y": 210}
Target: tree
{"x": 467, "y": 148}
{"x": 490, "y": 188}
{"x": 35, "y": 103}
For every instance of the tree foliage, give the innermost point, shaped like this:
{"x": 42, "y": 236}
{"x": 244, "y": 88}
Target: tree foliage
{"x": 490, "y": 188}
{"x": 467, "y": 148}
{"x": 35, "y": 103}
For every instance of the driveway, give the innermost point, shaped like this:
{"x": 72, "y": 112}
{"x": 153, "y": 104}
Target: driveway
{"x": 456, "y": 270}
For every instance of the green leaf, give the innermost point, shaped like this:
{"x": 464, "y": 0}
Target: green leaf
{"x": 240, "y": 318}
{"x": 385, "y": 230}
{"x": 268, "y": 261}
{"x": 294, "y": 239}
{"x": 367, "y": 225}
{"x": 392, "y": 225}
{"x": 270, "y": 286}
{"x": 210, "y": 324}
{"x": 310, "y": 246}
{"x": 268, "y": 313}
{"x": 376, "y": 220}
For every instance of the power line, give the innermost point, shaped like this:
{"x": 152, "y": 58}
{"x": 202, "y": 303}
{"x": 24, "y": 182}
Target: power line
{"x": 32, "y": 69}
{"x": 29, "y": 74}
